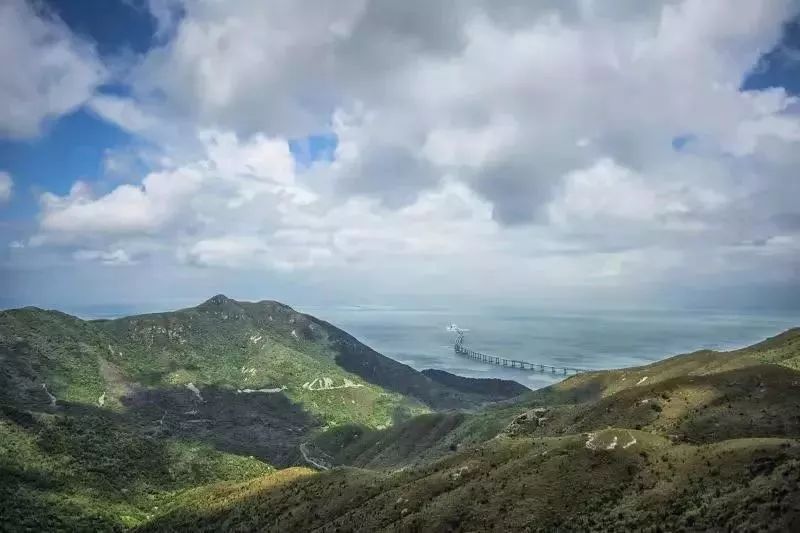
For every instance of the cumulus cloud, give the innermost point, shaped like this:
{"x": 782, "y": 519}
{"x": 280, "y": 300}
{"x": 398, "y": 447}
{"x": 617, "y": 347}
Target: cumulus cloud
{"x": 531, "y": 144}
{"x": 128, "y": 209}
{"x": 124, "y": 113}
{"x": 183, "y": 197}
{"x": 6, "y": 186}
{"x": 500, "y": 94}
{"x": 166, "y": 14}
{"x": 219, "y": 210}
{"x": 47, "y": 71}
{"x": 111, "y": 258}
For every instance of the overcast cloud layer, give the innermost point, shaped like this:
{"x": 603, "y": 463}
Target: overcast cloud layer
{"x": 517, "y": 148}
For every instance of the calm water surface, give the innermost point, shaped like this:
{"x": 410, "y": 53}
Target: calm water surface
{"x": 597, "y": 339}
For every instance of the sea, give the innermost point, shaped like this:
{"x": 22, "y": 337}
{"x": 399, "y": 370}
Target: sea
{"x": 588, "y": 338}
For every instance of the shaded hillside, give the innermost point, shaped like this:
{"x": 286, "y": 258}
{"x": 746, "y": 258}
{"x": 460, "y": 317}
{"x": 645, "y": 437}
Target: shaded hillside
{"x": 47, "y": 352}
{"x": 418, "y": 441}
{"x": 709, "y": 441}
{"x": 494, "y": 389}
{"x": 528, "y": 484}
{"x": 90, "y": 469}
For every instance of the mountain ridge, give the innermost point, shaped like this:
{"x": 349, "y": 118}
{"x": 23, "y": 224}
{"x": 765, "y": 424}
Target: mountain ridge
{"x": 198, "y": 419}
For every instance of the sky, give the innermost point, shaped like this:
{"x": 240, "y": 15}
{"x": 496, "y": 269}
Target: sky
{"x": 156, "y": 152}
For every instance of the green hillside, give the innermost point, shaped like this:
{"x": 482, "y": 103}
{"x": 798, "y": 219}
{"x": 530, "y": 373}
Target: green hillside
{"x": 252, "y": 416}
{"x": 102, "y": 422}
{"x": 223, "y": 347}
{"x": 709, "y": 441}
{"x": 542, "y": 484}
{"x": 251, "y": 347}
{"x": 94, "y": 471}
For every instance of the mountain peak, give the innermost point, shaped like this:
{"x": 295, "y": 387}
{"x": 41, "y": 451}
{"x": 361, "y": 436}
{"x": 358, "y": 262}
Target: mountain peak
{"x": 218, "y": 299}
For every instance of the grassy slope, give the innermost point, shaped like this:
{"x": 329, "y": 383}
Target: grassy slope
{"x": 220, "y": 343}
{"x": 716, "y": 433}
{"x": 541, "y": 484}
{"x": 228, "y": 344}
{"x": 47, "y": 347}
{"x": 80, "y": 466}
{"x": 416, "y": 442}
{"x": 142, "y": 366}
{"x": 716, "y": 444}
{"x": 758, "y": 401}
{"x": 127, "y": 434}
{"x": 783, "y": 349}
{"x": 240, "y": 345}
{"x": 95, "y": 472}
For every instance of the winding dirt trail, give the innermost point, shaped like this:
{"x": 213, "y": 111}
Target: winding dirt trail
{"x": 309, "y": 460}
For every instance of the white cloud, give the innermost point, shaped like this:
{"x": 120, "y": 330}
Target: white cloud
{"x": 111, "y": 258}
{"x": 471, "y": 147}
{"x": 496, "y": 94}
{"x": 166, "y": 13}
{"x": 229, "y": 251}
{"x": 529, "y": 146}
{"x": 128, "y": 209}
{"x": 608, "y": 192}
{"x": 124, "y": 113}
{"x": 247, "y": 251}
{"x": 606, "y": 189}
{"x": 230, "y": 176}
{"x": 6, "y": 186}
{"x": 47, "y": 71}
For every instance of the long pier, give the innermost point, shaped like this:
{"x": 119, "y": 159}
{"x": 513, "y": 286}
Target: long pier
{"x": 463, "y": 351}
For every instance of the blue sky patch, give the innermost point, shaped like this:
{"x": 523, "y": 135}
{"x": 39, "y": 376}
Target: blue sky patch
{"x": 314, "y": 148}
{"x": 780, "y": 67}
{"x": 71, "y": 148}
{"x": 115, "y": 26}
{"x": 680, "y": 141}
